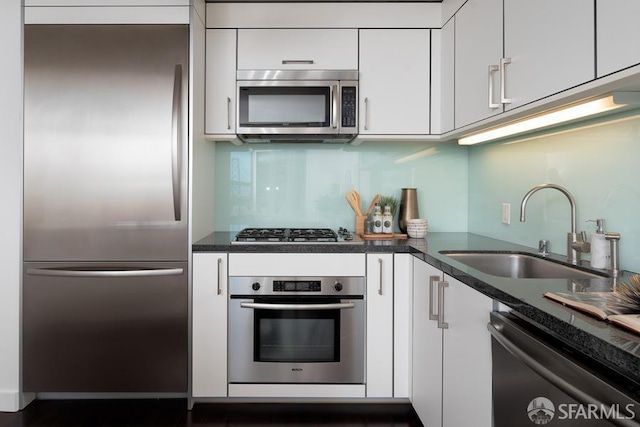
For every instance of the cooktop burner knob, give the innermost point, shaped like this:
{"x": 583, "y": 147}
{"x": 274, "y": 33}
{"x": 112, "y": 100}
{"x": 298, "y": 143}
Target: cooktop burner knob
{"x": 255, "y": 286}
{"x": 337, "y": 286}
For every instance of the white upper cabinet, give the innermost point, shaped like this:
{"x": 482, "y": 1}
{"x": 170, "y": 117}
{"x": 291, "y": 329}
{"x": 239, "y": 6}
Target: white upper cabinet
{"x": 106, "y": 11}
{"x": 617, "y": 32}
{"x": 85, "y": 3}
{"x": 478, "y": 49}
{"x": 443, "y": 79}
{"x": 295, "y": 49}
{"x": 546, "y": 47}
{"x": 394, "y": 82}
{"x": 550, "y": 47}
{"x": 221, "y": 82}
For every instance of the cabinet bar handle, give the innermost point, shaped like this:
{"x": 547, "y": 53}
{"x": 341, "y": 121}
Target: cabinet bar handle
{"x": 380, "y": 288}
{"x": 228, "y": 113}
{"x": 492, "y": 70}
{"x": 503, "y": 78}
{"x": 297, "y": 61}
{"x": 366, "y": 114}
{"x": 441, "y": 323}
{"x": 219, "y": 278}
{"x": 432, "y": 281}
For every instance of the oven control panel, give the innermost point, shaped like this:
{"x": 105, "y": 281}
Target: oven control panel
{"x": 316, "y": 286}
{"x": 297, "y": 286}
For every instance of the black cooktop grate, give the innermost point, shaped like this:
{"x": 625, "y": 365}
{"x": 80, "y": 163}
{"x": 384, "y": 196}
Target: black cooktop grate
{"x": 287, "y": 235}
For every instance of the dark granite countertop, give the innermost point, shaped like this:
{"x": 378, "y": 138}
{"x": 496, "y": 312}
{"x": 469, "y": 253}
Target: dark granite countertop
{"x": 598, "y": 340}
{"x": 220, "y": 241}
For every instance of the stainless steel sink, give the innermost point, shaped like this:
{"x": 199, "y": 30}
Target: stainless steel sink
{"x": 518, "y": 265}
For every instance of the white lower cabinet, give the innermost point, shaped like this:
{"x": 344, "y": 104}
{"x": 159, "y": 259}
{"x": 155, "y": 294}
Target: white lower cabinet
{"x": 402, "y": 320}
{"x": 466, "y": 360}
{"x": 427, "y": 348}
{"x": 379, "y": 296}
{"x": 209, "y": 329}
{"x": 451, "y": 351}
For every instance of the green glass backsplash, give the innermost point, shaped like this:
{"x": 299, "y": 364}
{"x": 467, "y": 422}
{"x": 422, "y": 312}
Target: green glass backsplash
{"x": 289, "y": 185}
{"x": 596, "y": 162}
{"x": 459, "y": 188}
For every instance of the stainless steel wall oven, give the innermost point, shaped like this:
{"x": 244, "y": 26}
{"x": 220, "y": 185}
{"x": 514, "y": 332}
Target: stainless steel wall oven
{"x": 297, "y": 330}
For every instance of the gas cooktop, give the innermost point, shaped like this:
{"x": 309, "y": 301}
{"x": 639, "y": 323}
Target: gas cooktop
{"x": 295, "y": 235}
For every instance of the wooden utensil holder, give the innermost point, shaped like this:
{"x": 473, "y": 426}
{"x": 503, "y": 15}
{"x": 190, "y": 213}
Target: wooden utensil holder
{"x": 360, "y": 224}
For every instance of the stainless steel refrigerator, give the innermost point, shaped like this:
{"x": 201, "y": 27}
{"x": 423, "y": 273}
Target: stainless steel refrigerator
{"x": 105, "y": 289}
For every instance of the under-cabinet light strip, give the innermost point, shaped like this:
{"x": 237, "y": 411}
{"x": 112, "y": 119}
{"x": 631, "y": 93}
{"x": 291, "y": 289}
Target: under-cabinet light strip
{"x": 612, "y": 102}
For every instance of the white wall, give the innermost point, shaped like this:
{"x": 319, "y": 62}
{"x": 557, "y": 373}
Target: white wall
{"x": 11, "y": 211}
{"x": 202, "y": 151}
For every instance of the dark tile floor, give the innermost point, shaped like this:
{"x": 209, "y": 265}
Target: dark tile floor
{"x": 174, "y": 413}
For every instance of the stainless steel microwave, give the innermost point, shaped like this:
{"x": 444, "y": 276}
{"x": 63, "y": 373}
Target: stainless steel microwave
{"x": 297, "y": 106}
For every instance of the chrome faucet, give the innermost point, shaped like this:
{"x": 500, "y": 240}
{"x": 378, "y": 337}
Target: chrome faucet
{"x": 613, "y": 239}
{"x": 576, "y": 242}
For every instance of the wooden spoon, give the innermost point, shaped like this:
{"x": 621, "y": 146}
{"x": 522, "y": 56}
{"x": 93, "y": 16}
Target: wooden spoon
{"x": 353, "y": 198}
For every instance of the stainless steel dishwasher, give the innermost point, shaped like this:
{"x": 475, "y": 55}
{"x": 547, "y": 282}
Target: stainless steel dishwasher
{"x": 536, "y": 382}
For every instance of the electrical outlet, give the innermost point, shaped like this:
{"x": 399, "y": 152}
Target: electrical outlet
{"x": 506, "y": 213}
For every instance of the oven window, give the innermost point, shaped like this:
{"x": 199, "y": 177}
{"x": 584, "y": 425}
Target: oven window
{"x": 294, "y": 336}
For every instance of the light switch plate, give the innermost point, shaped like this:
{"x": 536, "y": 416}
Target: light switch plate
{"x": 506, "y": 213}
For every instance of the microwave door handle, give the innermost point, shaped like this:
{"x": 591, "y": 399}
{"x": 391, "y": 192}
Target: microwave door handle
{"x": 297, "y": 307}
{"x": 334, "y": 106}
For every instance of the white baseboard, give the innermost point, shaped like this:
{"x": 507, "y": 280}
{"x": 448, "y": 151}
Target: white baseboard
{"x": 108, "y": 395}
{"x": 13, "y": 401}
{"x": 297, "y": 390}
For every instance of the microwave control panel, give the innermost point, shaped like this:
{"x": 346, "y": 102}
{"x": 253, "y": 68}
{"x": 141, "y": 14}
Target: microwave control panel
{"x": 349, "y": 100}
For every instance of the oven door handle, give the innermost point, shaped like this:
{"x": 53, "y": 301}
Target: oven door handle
{"x": 267, "y": 306}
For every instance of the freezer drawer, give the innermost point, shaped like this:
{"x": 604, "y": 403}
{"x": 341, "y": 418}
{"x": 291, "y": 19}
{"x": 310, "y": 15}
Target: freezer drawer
{"x": 105, "y": 327}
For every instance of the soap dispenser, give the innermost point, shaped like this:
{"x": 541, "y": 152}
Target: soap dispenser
{"x": 600, "y": 248}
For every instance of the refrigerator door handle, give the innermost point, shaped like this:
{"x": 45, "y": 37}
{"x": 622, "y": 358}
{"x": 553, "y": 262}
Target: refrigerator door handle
{"x": 176, "y": 146}
{"x": 56, "y": 272}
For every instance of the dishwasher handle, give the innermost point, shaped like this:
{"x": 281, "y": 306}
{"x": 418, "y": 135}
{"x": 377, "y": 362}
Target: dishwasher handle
{"x": 568, "y": 388}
